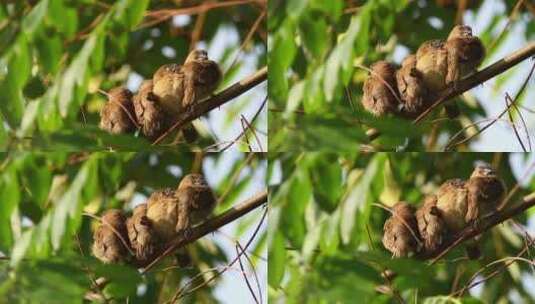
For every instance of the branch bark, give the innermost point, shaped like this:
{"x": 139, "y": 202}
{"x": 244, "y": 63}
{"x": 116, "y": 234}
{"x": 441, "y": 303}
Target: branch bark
{"x": 217, "y": 100}
{"x": 527, "y": 202}
{"x": 472, "y": 81}
{"x": 211, "y": 226}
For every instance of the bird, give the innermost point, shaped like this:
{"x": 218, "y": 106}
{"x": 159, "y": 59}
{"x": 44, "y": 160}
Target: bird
{"x": 110, "y": 237}
{"x": 432, "y": 64}
{"x": 442, "y": 63}
{"x": 200, "y": 198}
{"x": 452, "y": 202}
{"x": 169, "y": 88}
{"x": 201, "y": 77}
{"x": 178, "y": 87}
{"x": 412, "y": 90}
{"x": 117, "y": 115}
{"x": 151, "y": 116}
{"x": 143, "y": 238}
{"x": 165, "y": 210}
{"x": 485, "y": 191}
{"x": 431, "y": 226}
{"x": 380, "y": 91}
{"x": 465, "y": 53}
{"x": 400, "y": 231}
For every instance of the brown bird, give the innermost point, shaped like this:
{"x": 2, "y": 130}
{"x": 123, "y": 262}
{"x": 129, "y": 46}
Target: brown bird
{"x": 150, "y": 115}
{"x": 400, "y": 231}
{"x": 109, "y": 238}
{"x": 380, "y": 90}
{"x": 413, "y": 92}
{"x": 164, "y": 210}
{"x": 452, "y": 201}
{"x": 485, "y": 191}
{"x": 201, "y": 200}
{"x": 117, "y": 115}
{"x": 431, "y": 226}
{"x": 169, "y": 88}
{"x": 143, "y": 238}
{"x": 180, "y": 86}
{"x": 465, "y": 53}
{"x": 201, "y": 76}
{"x": 432, "y": 63}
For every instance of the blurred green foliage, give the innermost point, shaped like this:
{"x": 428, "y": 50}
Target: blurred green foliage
{"x": 56, "y": 54}
{"x": 47, "y": 239}
{"x": 325, "y": 234}
{"x": 315, "y": 83}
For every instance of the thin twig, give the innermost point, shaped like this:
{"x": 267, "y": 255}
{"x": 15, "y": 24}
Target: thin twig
{"x": 255, "y": 116}
{"x": 244, "y": 272}
{"x": 253, "y": 236}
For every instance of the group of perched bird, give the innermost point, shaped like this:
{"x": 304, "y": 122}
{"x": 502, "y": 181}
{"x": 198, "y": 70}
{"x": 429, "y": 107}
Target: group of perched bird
{"x": 411, "y": 89}
{"x": 456, "y": 205}
{"x": 159, "y": 102}
{"x": 167, "y": 214}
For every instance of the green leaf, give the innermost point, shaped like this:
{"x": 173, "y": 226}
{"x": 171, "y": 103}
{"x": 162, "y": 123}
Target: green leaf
{"x": 9, "y": 199}
{"x": 130, "y": 12}
{"x": 33, "y": 20}
{"x": 18, "y": 71}
{"x": 281, "y": 55}
{"x": 358, "y": 185}
{"x": 123, "y": 279}
{"x": 277, "y": 259}
{"x": 314, "y": 35}
{"x": 339, "y": 64}
{"x": 327, "y": 178}
{"x": 67, "y": 213}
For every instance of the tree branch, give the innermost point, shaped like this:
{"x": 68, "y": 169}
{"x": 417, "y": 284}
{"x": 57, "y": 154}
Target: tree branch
{"x": 469, "y": 232}
{"x": 470, "y": 82}
{"x": 211, "y": 225}
{"x": 217, "y": 100}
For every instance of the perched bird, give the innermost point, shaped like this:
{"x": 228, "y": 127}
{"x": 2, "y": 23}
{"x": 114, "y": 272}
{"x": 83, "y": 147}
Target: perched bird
{"x": 379, "y": 96}
{"x": 201, "y": 76}
{"x": 431, "y": 226}
{"x": 143, "y": 238}
{"x": 413, "y": 92}
{"x": 180, "y": 86}
{"x": 452, "y": 202}
{"x": 194, "y": 189}
{"x": 117, "y": 115}
{"x": 165, "y": 210}
{"x": 432, "y": 65}
{"x": 485, "y": 191}
{"x": 400, "y": 231}
{"x": 465, "y": 53}
{"x": 150, "y": 115}
{"x": 169, "y": 88}
{"x": 109, "y": 238}
{"x": 445, "y": 62}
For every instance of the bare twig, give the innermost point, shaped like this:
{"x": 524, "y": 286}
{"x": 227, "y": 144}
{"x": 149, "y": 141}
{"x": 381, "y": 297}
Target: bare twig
{"x": 253, "y": 236}
{"x": 165, "y": 14}
{"x": 243, "y": 131}
{"x": 238, "y": 248}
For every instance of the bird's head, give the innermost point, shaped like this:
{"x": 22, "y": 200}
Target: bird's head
{"x": 197, "y": 55}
